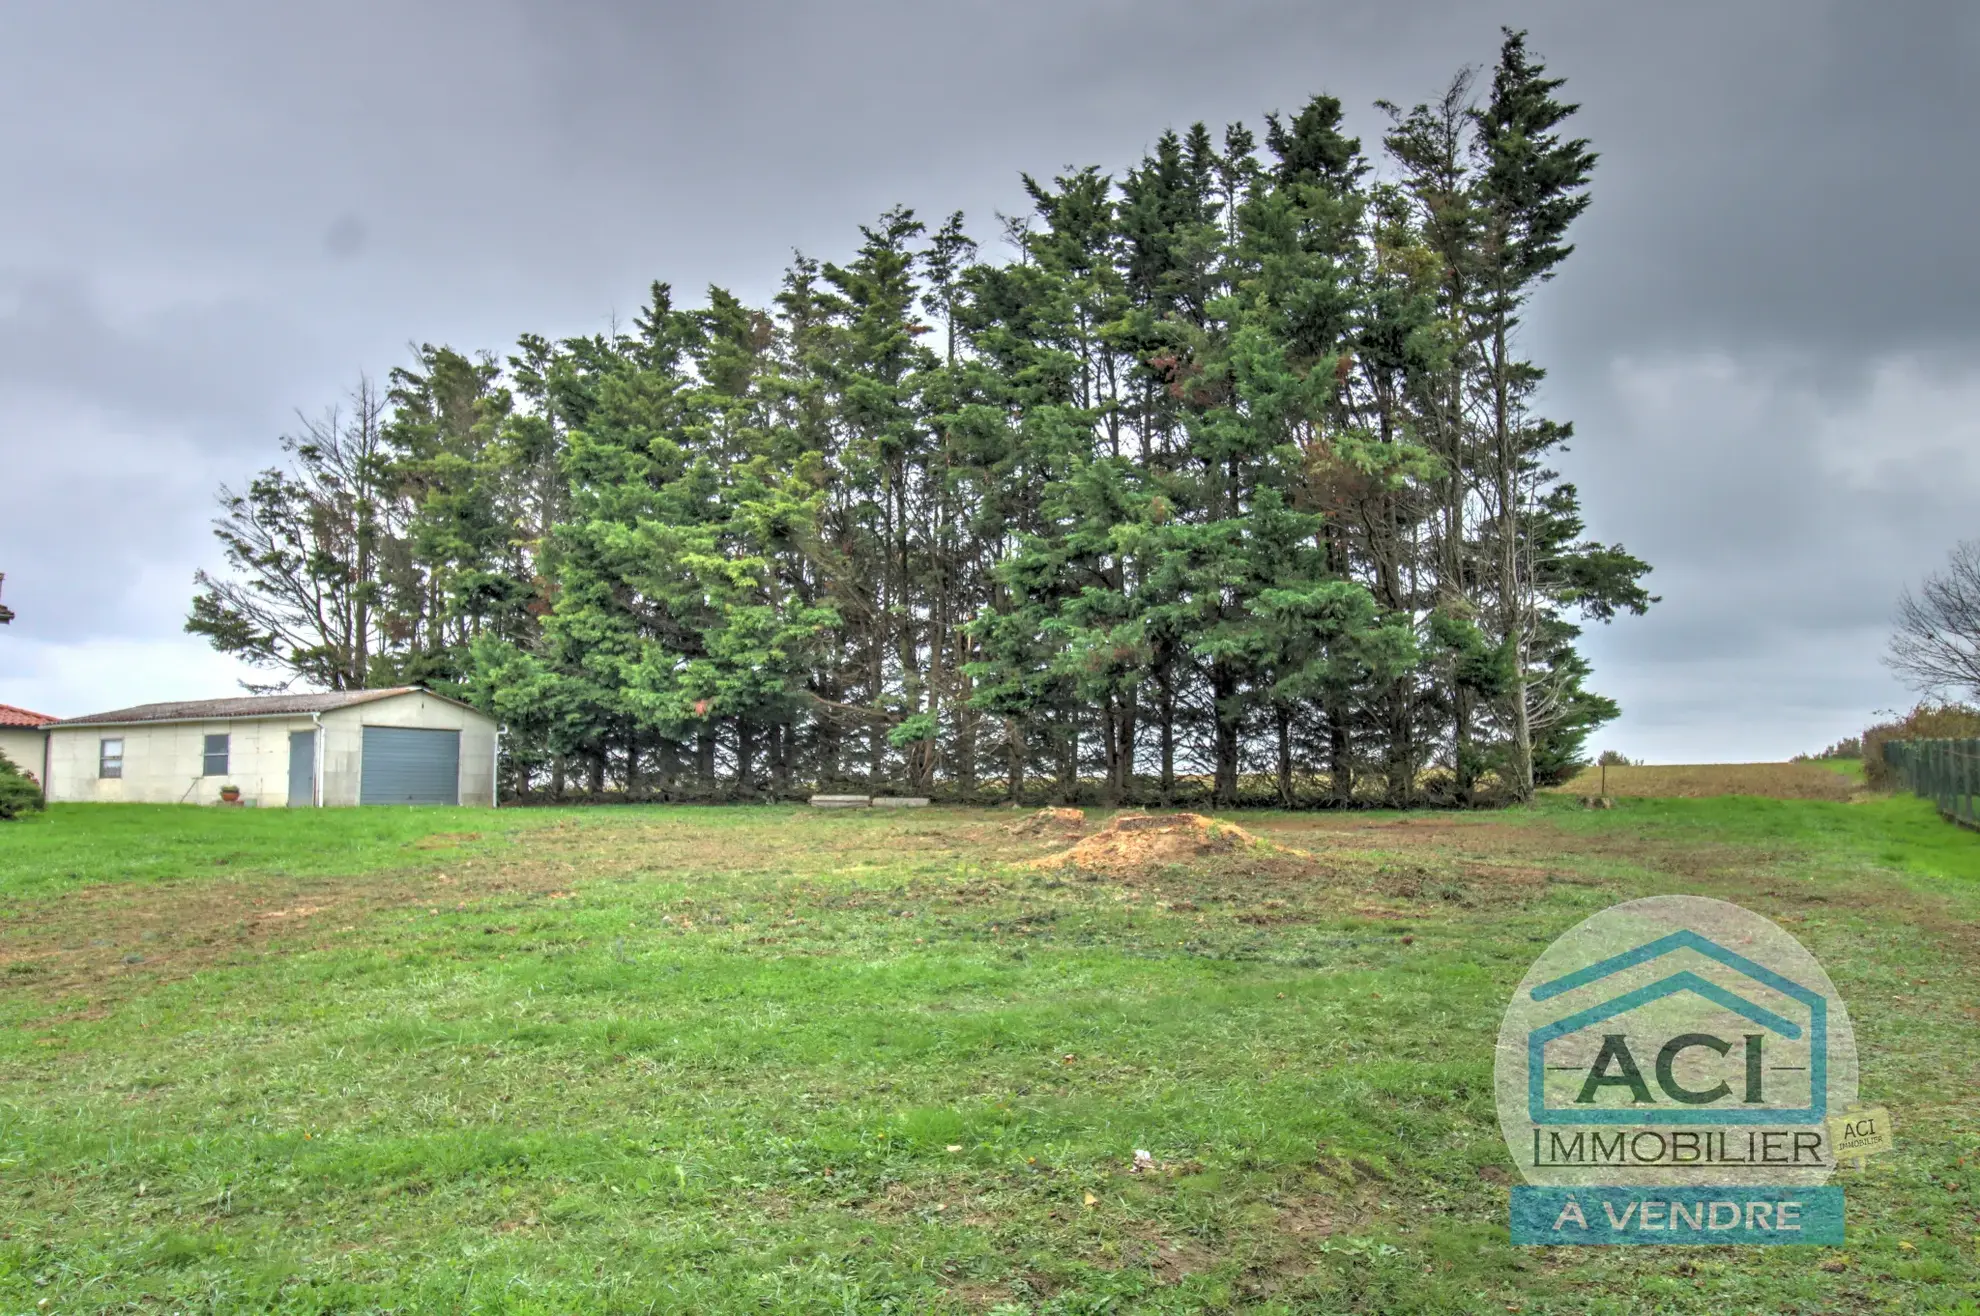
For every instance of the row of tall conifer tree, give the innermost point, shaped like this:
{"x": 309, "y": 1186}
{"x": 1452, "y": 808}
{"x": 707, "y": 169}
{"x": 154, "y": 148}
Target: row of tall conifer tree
{"x": 1222, "y": 479}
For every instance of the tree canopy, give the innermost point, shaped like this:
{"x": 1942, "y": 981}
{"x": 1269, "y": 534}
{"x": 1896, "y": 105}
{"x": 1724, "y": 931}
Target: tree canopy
{"x": 1226, "y": 480}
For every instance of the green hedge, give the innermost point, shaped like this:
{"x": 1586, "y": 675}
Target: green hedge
{"x": 18, "y": 792}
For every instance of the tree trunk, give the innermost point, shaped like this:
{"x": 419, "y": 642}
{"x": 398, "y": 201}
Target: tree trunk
{"x": 780, "y": 759}
{"x": 1130, "y": 723}
{"x": 965, "y": 764}
{"x": 1223, "y": 690}
{"x": 1283, "y": 715}
{"x": 704, "y": 756}
{"x": 1110, "y": 785}
{"x": 745, "y": 754}
{"x": 876, "y": 742}
{"x": 1465, "y": 765}
{"x": 830, "y": 742}
{"x": 1340, "y": 753}
{"x": 1402, "y": 748}
{"x": 670, "y": 766}
{"x": 1165, "y": 675}
{"x": 1511, "y": 598}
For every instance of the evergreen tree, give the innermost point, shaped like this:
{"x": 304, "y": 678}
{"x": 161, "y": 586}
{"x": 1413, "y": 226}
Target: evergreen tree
{"x": 1226, "y": 483}
{"x": 1532, "y": 184}
{"x": 308, "y": 549}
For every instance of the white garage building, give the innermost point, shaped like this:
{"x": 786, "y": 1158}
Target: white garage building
{"x": 404, "y": 745}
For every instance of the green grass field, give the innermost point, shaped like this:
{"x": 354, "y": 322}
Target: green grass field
{"x": 767, "y": 1059}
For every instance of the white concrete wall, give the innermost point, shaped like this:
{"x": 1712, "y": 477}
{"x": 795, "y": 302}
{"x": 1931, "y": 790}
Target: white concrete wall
{"x": 163, "y": 762}
{"x": 23, "y": 748}
{"x": 343, "y": 743}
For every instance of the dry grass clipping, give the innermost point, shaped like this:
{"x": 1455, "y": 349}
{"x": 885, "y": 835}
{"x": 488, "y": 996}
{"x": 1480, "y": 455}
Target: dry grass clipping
{"x": 1134, "y": 841}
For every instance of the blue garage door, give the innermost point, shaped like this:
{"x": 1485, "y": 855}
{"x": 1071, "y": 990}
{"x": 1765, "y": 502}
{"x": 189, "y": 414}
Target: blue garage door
{"x": 410, "y": 765}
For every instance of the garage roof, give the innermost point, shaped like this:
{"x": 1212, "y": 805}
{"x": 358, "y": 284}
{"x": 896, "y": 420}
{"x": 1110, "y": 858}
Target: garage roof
{"x": 208, "y": 710}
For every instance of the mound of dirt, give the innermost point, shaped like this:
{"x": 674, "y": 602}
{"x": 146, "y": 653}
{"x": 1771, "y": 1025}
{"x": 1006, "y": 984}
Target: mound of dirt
{"x": 1049, "y": 820}
{"x": 1138, "y": 840}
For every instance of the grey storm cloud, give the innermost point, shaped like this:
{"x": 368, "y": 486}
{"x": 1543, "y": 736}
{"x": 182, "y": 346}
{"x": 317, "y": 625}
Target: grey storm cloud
{"x": 222, "y": 212}
{"x": 58, "y": 337}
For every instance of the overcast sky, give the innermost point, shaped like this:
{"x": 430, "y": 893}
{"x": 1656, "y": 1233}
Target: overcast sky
{"x": 218, "y": 214}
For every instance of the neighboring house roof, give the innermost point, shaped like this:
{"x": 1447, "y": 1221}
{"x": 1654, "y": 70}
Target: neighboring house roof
{"x": 21, "y": 717}
{"x": 208, "y": 710}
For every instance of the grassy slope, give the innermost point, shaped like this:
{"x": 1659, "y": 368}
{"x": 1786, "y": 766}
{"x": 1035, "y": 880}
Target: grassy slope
{"x": 1817, "y": 780}
{"x": 75, "y": 844}
{"x": 718, "y": 1059}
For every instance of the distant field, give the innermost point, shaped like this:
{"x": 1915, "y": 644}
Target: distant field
{"x": 769, "y": 1059}
{"x": 1839, "y": 779}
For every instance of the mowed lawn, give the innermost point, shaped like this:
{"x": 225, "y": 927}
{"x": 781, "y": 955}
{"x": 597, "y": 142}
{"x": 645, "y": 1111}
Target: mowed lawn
{"x": 750, "y": 1059}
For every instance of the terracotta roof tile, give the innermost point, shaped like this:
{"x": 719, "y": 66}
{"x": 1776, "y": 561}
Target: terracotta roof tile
{"x": 21, "y": 717}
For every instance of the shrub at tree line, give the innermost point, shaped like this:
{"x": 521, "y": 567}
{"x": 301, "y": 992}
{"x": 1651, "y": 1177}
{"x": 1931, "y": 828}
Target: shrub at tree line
{"x": 18, "y": 792}
{"x": 1926, "y": 721}
{"x": 1228, "y": 476}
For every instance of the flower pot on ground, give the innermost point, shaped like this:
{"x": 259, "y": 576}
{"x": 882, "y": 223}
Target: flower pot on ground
{"x": 231, "y": 794}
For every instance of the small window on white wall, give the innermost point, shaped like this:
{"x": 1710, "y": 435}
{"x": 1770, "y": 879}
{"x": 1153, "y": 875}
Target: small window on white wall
{"x": 215, "y": 764}
{"x": 110, "y": 757}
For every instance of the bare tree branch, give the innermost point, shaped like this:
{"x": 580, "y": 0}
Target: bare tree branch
{"x": 1936, "y": 647}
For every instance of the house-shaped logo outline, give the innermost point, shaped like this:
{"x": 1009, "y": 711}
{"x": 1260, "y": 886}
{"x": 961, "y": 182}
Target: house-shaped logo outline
{"x": 1685, "y": 980}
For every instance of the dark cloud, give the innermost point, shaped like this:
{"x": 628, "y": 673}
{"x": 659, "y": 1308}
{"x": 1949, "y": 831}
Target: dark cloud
{"x": 223, "y": 211}
{"x": 179, "y": 362}
{"x": 114, "y": 430}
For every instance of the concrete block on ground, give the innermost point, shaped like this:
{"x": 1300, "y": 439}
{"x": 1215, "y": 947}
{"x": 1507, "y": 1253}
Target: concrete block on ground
{"x": 900, "y": 801}
{"x": 841, "y": 801}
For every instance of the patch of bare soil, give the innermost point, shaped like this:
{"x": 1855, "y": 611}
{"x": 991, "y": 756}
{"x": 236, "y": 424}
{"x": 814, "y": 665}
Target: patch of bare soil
{"x": 979, "y": 1296}
{"x": 1315, "y": 1217}
{"x": 1135, "y": 842}
{"x": 1174, "y": 1260}
{"x": 1048, "y": 821}
{"x": 445, "y": 840}
{"x": 101, "y": 940}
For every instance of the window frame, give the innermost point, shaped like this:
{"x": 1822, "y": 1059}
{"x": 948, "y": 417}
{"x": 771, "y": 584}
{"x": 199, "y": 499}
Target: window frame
{"x": 207, "y": 754}
{"x": 109, "y": 767}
